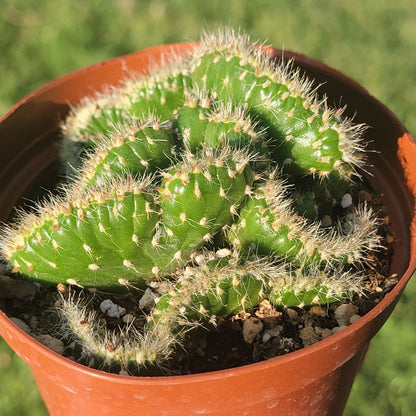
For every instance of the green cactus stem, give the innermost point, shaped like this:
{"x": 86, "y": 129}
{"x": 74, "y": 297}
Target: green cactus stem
{"x": 201, "y": 197}
{"x": 135, "y": 148}
{"x": 218, "y": 286}
{"x": 88, "y": 238}
{"x": 157, "y": 95}
{"x": 125, "y": 231}
{"x": 128, "y": 350}
{"x": 95, "y": 115}
{"x": 204, "y": 122}
{"x": 267, "y": 225}
{"x": 162, "y": 93}
{"x": 222, "y": 285}
{"x": 311, "y": 137}
{"x": 307, "y": 286}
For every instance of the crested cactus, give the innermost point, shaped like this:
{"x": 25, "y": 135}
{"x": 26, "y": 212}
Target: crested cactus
{"x": 125, "y": 231}
{"x": 211, "y": 174}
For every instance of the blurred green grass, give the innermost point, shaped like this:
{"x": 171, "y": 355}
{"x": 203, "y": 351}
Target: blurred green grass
{"x": 373, "y": 42}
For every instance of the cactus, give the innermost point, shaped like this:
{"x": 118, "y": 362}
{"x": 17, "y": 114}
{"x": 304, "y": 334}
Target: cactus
{"x": 127, "y": 231}
{"x": 212, "y": 174}
{"x": 268, "y": 224}
{"x": 311, "y": 137}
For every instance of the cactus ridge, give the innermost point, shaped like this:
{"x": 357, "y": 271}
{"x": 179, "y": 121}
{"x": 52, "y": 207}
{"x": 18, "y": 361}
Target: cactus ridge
{"x": 202, "y": 196}
{"x": 312, "y": 138}
{"x": 86, "y": 237}
{"x": 218, "y": 286}
{"x": 268, "y": 225}
{"x": 94, "y": 115}
{"x": 221, "y": 285}
{"x": 310, "y": 285}
{"x": 159, "y": 94}
{"x": 135, "y": 148}
{"x": 130, "y": 348}
{"x": 125, "y": 229}
{"x": 204, "y": 122}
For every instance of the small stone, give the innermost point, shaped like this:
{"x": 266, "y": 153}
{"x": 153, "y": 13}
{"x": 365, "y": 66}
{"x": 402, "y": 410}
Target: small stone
{"x": 266, "y": 337}
{"x": 33, "y": 323}
{"x": 147, "y": 301}
{"x": 292, "y": 314}
{"x": 308, "y": 336}
{"x": 346, "y": 200}
{"x": 326, "y": 332}
{"x": 21, "y": 324}
{"x": 354, "y": 318}
{"x": 161, "y": 287}
{"x": 338, "y": 328}
{"x": 344, "y": 312}
{"x": 317, "y": 311}
{"x": 251, "y": 329}
{"x": 269, "y": 315}
{"x": 326, "y": 221}
{"x": 109, "y": 308}
{"x": 54, "y": 344}
{"x": 318, "y": 330}
{"x": 271, "y": 333}
{"x": 128, "y": 318}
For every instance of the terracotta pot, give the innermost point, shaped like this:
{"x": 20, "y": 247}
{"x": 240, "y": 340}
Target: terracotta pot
{"x": 313, "y": 381}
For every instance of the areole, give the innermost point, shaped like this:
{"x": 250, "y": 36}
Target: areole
{"x": 313, "y": 381}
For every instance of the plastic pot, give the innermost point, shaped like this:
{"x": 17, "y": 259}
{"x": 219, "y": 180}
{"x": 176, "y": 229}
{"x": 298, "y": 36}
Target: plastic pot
{"x": 313, "y": 381}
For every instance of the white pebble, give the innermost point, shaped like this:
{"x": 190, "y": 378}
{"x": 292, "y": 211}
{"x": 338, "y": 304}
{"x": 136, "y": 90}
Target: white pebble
{"x": 266, "y": 337}
{"x": 147, "y": 301}
{"x": 251, "y": 328}
{"x": 53, "y": 343}
{"x": 109, "y": 308}
{"x": 128, "y": 318}
{"x": 346, "y": 200}
{"x": 354, "y": 318}
{"x": 338, "y": 328}
{"x": 22, "y": 325}
{"x": 344, "y": 312}
{"x": 272, "y": 332}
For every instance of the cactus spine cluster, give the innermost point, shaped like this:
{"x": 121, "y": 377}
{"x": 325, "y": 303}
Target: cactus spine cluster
{"x": 182, "y": 176}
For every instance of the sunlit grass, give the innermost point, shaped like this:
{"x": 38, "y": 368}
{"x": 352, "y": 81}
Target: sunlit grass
{"x": 372, "y": 41}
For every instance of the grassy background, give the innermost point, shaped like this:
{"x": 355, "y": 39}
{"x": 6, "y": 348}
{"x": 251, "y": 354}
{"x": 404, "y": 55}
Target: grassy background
{"x": 372, "y": 41}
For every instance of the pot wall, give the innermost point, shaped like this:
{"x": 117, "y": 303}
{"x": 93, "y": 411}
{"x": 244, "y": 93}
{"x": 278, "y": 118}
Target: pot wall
{"x": 313, "y": 381}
